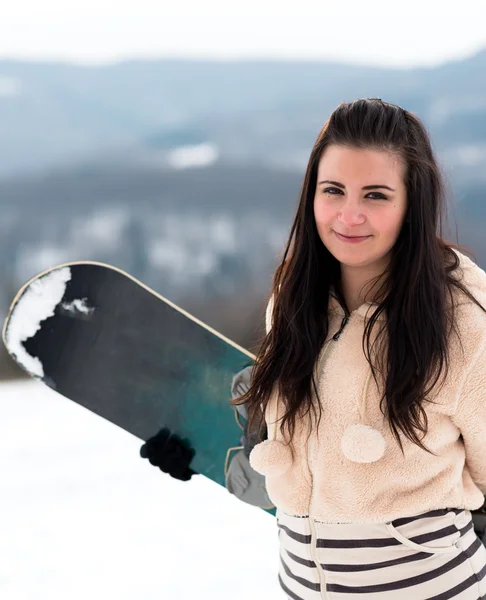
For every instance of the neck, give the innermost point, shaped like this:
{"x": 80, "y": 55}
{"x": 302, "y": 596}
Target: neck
{"x": 358, "y": 286}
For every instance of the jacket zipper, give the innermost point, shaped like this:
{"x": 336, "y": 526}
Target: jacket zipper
{"x": 313, "y": 548}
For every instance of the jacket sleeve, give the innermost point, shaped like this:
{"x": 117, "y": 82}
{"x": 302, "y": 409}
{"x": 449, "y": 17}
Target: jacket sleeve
{"x": 240, "y": 385}
{"x": 470, "y": 418}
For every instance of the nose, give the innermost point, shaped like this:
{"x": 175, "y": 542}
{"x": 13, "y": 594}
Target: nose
{"x": 351, "y": 214}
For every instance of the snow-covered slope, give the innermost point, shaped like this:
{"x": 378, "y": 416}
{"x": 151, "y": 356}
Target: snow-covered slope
{"x": 83, "y": 516}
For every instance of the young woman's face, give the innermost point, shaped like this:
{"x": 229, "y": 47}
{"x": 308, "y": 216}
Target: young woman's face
{"x": 344, "y": 207}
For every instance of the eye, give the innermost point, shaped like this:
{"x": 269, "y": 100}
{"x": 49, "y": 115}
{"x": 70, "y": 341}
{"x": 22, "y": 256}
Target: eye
{"x": 329, "y": 190}
{"x": 378, "y": 195}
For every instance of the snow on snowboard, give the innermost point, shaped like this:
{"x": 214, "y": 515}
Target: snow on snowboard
{"x": 101, "y": 338}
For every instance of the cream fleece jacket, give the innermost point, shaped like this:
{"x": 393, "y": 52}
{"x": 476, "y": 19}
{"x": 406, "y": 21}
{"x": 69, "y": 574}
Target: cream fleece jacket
{"x": 351, "y": 470}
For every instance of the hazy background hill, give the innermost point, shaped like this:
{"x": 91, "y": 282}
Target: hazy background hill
{"x": 253, "y": 111}
{"x": 186, "y": 173}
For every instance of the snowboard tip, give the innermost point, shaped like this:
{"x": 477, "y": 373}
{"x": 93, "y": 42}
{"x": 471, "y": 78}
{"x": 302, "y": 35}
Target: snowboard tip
{"x": 35, "y": 303}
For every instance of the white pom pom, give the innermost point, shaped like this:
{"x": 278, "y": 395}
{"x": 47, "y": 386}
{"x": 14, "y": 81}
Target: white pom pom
{"x": 363, "y": 444}
{"x": 271, "y": 457}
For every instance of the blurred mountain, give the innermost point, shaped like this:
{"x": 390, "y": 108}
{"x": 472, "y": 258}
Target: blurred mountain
{"x": 252, "y": 111}
{"x": 186, "y": 173}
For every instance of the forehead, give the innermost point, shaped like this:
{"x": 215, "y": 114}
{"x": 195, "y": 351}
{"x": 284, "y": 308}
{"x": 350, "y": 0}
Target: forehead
{"x": 341, "y": 163}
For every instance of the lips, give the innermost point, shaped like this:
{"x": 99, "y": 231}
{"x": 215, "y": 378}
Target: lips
{"x": 352, "y": 237}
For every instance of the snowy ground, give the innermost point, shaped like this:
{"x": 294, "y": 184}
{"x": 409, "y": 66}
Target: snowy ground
{"x": 82, "y": 516}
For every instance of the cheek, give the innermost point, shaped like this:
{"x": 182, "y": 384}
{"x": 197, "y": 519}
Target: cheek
{"x": 322, "y": 213}
{"x": 388, "y": 223}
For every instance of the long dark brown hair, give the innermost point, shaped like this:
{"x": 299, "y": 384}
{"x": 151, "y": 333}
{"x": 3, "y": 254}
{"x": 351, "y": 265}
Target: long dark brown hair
{"x": 415, "y": 283}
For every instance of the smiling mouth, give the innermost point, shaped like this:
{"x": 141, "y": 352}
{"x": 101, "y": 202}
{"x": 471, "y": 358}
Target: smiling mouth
{"x": 352, "y": 237}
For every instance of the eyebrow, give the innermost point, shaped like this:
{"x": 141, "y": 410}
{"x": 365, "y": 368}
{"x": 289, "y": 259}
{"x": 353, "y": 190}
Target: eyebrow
{"x": 365, "y": 187}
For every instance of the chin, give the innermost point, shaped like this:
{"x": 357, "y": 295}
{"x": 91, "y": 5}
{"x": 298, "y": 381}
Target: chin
{"x": 352, "y": 255}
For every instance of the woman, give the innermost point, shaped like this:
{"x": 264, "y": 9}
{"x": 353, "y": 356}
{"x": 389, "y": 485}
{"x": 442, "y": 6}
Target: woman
{"x": 376, "y": 324}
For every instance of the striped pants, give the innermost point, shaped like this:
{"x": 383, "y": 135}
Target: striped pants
{"x": 435, "y": 556}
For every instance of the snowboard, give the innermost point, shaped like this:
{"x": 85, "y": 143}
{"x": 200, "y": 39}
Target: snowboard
{"x": 104, "y": 340}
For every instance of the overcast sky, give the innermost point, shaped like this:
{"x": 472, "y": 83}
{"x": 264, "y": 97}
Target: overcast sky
{"x": 373, "y": 32}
